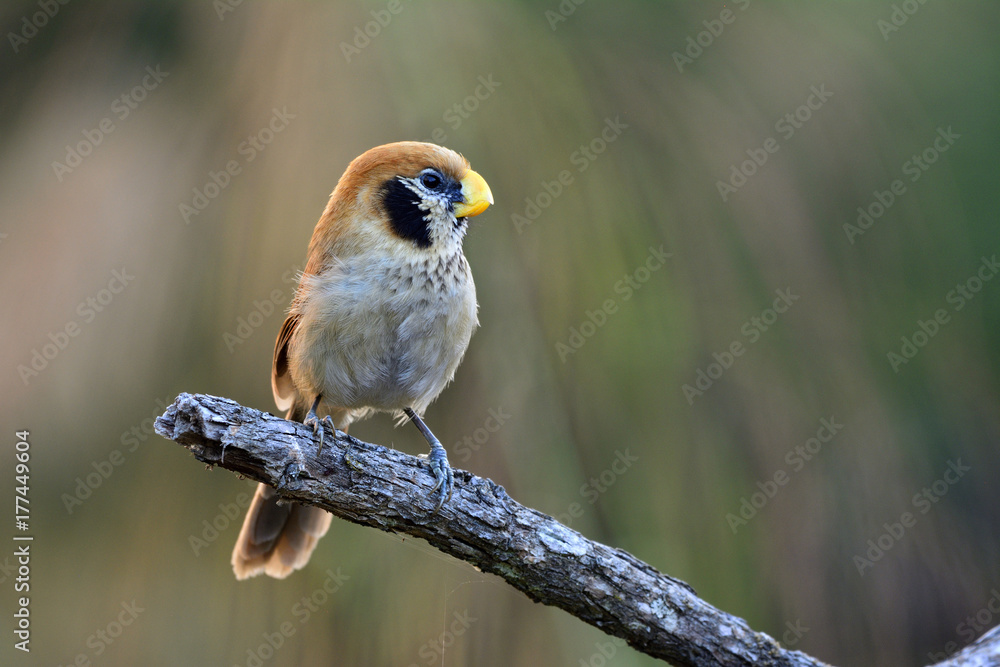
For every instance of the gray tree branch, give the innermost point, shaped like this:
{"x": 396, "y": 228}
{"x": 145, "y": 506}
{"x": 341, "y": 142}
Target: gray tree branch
{"x": 550, "y": 563}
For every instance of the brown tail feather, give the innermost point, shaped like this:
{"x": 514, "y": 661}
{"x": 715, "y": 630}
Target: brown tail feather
{"x": 277, "y": 539}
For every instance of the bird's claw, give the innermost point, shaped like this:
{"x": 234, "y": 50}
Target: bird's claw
{"x": 317, "y": 425}
{"x": 444, "y": 475}
{"x": 437, "y": 461}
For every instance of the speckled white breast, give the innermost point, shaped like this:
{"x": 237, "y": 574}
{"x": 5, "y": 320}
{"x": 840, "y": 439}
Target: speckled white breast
{"x": 384, "y": 335}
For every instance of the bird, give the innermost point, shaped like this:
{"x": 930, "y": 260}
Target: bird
{"x": 379, "y": 321}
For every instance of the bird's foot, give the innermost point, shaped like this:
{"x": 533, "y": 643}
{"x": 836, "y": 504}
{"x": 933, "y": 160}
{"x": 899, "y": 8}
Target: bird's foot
{"x": 437, "y": 461}
{"x": 317, "y": 425}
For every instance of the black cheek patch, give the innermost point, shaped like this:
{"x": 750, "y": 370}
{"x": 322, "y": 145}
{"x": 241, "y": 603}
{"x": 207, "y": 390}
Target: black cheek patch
{"x": 405, "y": 217}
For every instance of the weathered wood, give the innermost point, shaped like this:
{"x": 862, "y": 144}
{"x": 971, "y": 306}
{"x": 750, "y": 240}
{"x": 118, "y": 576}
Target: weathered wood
{"x": 550, "y": 563}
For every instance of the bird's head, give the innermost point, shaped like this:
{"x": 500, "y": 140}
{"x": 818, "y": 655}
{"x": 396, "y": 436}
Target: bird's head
{"x": 408, "y": 197}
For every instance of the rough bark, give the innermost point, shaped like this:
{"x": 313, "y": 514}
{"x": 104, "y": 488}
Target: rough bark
{"x": 550, "y": 563}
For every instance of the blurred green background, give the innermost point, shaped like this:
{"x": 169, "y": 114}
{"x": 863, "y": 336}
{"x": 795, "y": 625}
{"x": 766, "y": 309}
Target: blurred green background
{"x": 834, "y": 99}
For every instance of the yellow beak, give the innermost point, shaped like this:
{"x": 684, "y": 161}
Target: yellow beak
{"x": 476, "y": 196}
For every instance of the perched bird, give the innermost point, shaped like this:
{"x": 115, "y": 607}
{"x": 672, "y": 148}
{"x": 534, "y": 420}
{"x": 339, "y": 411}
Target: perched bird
{"x": 380, "y": 320}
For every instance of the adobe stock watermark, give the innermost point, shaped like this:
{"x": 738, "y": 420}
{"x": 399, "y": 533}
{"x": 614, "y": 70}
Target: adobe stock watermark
{"x": 958, "y": 298}
{"x": 262, "y": 310}
{"x": 796, "y": 458}
{"x": 105, "y": 467}
{"x": 695, "y": 45}
{"x": 581, "y": 159}
{"x": 433, "y": 650}
{"x": 212, "y": 529}
{"x": 595, "y": 487}
{"x": 786, "y": 126}
{"x": 794, "y": 633}
{"x": 102, "y": 638}
{"x": 248, "y": 149}
{"x": 363, "y": 35}
{"x": 121, "y": 108}
{"x": 922, "y": 501}
{"x": 562, "y": 12}
{"x": 223, "y": 7}
{"x": 465, "y": 448}
{"x": 973, "y": 626}
{"x": 915, "y": 167}
{"x": 88, "y": 310}
{"x": 301, "y": 611}
{"x": 30, "y": 25}
{"x": 459, "y": 112}
{"x": 752, "y": 330}
{"x": 898, "y": 17}
{"x": 624, "y": 290}
{"x": 604, "y": 652}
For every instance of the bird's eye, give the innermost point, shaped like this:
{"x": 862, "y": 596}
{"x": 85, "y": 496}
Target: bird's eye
{"x": 430, "y": 180}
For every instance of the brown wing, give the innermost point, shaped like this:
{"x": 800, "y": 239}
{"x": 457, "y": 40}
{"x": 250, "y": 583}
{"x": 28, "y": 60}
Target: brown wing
{"x": 281, "y": 380}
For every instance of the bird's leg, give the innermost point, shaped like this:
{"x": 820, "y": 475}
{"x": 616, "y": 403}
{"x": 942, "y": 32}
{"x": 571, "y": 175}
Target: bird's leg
{"x": 317, "y": 423}
{"x": 437, "y": 460}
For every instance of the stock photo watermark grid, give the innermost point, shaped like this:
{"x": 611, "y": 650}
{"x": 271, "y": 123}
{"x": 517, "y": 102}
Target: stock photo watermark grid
{"x": 34, "y": 22}
{"x": 300, "y": 613}
{"x": 796, "y": 459}
{"x": 121, "y": 108}
{"x": 104, "y": 637}
{"x": 922, "y": 502}
{"x": 624, "y": 289}
{"x": 957, "y": 299}
{"x": 248, "y": 150}
{"x": 914, "y": 169}
{"x": 752, "y": 331}
{"x": 696, "y": 45}
{"x": 786, "y": 126}
{"x": 42, "y": 356}
{"x": 580, "y": 159}
{"x": 361, "y": 44}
